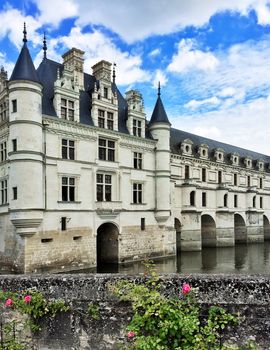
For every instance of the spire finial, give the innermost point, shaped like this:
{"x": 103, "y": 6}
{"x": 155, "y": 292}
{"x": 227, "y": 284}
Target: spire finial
{"x": 113, "y": 76}
{"x": 24, "y": 33}
{"x": 159, "y": 88}
{"x": 44, "y": 46}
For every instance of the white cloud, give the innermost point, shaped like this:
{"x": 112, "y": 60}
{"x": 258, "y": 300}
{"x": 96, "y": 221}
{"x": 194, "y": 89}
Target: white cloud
{"x": 136, "y": 20}
{"x": 53, "y": 12}
{"x": 233, "y": 125}
{"x": 188, "y": 57}
{"x": 159, "y": 77}
{"x": 8, "y": 66}
{"x": 194, "y": 104}
{"x": 12, "y": 26}
{"x": 99, "y": 47}
{"x": 154, "y": 53}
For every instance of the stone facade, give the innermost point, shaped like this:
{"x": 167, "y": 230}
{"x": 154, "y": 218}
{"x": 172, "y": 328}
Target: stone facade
{"x": 86, "y": 179}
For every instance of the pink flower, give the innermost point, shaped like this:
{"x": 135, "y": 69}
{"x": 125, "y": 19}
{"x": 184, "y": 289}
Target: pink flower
{"x": 27, "y": 298}
{"x": 9, "y": 302}
{"x": 186, "y": 288}
{"x": 131, "y": 334}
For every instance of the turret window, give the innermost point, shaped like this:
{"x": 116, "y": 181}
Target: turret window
{"x": 14, "y": 106}
{"x": 192, "y": 198}
{"x": 203, "y": 199}
{"x": 15, "y": 193}
{"x": 254, "y": 202}
{"x": 225, "y": 200}
{"x": 14, "y": 145}
{"x": 67, "y": 109}
{"x": 137, "y": 127}
{"x": 104, "y": 188}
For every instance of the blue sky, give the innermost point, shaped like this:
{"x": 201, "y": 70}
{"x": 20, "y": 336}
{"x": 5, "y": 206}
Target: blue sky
{"x": 212, "y": 57}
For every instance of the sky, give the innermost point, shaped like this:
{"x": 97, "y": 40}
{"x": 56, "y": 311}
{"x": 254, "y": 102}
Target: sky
{"x": 212, "y": 57}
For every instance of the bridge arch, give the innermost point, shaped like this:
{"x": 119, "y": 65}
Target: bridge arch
{"x": 240, "y": 229}
{"x": 208, "y": 231}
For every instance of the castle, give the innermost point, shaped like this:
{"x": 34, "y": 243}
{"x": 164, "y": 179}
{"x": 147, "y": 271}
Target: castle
{"x": 85, "y": 179}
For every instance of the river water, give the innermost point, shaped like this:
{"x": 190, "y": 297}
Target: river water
{"x": 243, "y": 258}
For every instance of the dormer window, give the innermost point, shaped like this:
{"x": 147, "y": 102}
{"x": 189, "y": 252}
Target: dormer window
{"x": 67, "y": 109}
{"x": 219, "y": 155}
{"x": 234, "y": 158}
{"x": 203, "y": 151}
{"x": 137, "y": 127}
{"x": 248, "y": 162}
{"x": 186, "y": 147}
{"x": 101, "y": 118}
{"x": 260, "y": 165}
{"x": 105, "y": 122}
{"x": 105, "y": 92}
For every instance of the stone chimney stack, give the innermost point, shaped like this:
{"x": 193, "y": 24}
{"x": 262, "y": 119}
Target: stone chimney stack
{"x": 73, "y": 61}
{"x": 102, "y": 71}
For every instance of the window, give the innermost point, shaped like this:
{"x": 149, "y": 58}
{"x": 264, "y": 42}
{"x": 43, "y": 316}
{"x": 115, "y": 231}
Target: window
{"x": 14, "y": 145}
{"x": 14, "y": 106}
{"x": 248, "y": 181}
{"x": 219, "y": 176}
{"x": 110, "y": 120}
{"x": 4, "y": 192}
{"x": 254, "y": 202}
{"x": 3, "y": 111}
{"x": 261, "y": 182}
{"x": 106, "y": 150}
{"x": 225, "y": 200}
{"x": 3, "y": 151}
{"x": 137, "y": 160}
{"x": 68, "y": 189}
{"x": 203, "y": 199}
{"x": 137, "y": 127}
{"x": 186, "y": 172}
{"x": 142, "y": 224}
{"x": 104, "y": 188}
{"x": 15, "y": 193}
{"x": 63, "y": 224}
{"x": 203, "y": 175}
{"x": 101, "y": 119}
{"x": 67, "y": 109}
{"x": 68, "y": 148}
{"x": 261, "y": 202}
{"x": 235, "y": 179}
{"x": 235, "y": 201}
{"x": 137, "y": 193}
{"x": 105, "y": 91}
{"x": 192, "y": 198}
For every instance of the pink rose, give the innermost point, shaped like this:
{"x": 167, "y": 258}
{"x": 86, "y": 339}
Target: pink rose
{"x": 186, "y": 288}
{"x": 9, "y": 302}
{"x": 27, "y": 298}
{"x": 131, "y": 334}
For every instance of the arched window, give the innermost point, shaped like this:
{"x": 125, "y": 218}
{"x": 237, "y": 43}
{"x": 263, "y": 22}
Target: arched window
{"x": 192, "y": 198}
{"x": 225, "y": 200}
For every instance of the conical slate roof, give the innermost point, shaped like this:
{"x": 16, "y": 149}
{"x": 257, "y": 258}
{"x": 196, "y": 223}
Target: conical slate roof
{"x": 24, "y": 68}
{"x": 159, "y": 114}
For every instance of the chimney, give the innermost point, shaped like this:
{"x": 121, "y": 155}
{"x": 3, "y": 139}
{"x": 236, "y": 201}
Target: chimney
{"x": 102, "y": 71}
{"x": 73, "y": 61}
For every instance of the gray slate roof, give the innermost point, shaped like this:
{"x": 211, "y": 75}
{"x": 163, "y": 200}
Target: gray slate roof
{"x": 159, "y": 114}
{"x": 24, "y": 68}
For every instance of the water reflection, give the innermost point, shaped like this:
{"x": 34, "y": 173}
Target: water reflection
{"x": 243, "y": 258}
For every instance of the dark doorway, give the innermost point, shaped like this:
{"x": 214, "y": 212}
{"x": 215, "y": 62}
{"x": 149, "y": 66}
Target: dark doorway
{"x": 208, "y": 229}
{"x": 107, "y": 245}
{"x": 240, "y": 229}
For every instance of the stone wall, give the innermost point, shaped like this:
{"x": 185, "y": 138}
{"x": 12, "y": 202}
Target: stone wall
{"x": 249, "y": 295}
